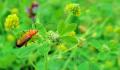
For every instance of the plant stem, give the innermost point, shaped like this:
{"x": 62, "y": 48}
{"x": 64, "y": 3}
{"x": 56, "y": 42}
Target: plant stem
{"x": 68, "y": 18}
{"x": 69, "y": 58}
{"x": 46, "y": 61}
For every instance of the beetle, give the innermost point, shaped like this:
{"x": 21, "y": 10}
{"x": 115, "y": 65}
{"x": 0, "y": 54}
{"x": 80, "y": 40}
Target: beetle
{"x": 25, "y": 38}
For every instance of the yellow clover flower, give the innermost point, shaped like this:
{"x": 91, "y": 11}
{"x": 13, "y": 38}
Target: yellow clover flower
{"x": 72, "y": 33}
{"x": 62, "y": 47}
{"x": 109, "y": 28}
{"x": 11, "y": 22}
{"x": 10, "y": 38}
{"x": 14, "y": 11}
{"x": 73, "y": 8}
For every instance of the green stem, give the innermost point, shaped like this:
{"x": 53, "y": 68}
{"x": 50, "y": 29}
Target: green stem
{"x": 92, "y": 28}
{"x": 68, "y": 18}
{"x": 46, "y": 61}
{"x": 69, "y": 58}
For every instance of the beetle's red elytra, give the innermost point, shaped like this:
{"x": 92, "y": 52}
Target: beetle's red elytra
{"x": 25, "y": 38}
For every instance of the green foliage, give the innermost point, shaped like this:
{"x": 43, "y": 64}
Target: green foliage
{"x": 7, "y": 60}
{"x": 64, "y": 41}
{"x": 65, "y": 28}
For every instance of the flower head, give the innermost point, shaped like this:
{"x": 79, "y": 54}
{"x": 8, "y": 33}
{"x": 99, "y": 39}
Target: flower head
{"x": 109, "y": 28}
{"x": 53, "y": 36}
{"x": 62, "y": 47}
{"x": 32, "y": 10}
{"x": 11, "y": 22}
{"x": 10, "y": 38}
{"x": 82, "y": 28}
{"x": 72, "y": 33}
{"x": 14, "y": 11}
{"x": 73, "y": 8}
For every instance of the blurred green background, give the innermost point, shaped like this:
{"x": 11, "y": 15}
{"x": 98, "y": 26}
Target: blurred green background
{"x": 98, "y": 28}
